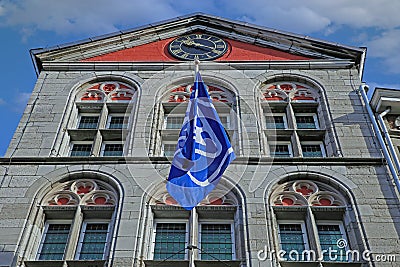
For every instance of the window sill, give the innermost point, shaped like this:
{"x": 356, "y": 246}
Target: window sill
{"x": 317, "y": 264}
{"x": 166, "y": 263}
{"x": 44, "y": 263}
{"x": 216, "y": 263}
{"x": 86, "y": 263}
{"x": 70, "y": 263}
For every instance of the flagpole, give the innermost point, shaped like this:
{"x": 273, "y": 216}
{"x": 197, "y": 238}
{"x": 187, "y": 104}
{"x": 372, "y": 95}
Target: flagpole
{"x": 196, "y": 67}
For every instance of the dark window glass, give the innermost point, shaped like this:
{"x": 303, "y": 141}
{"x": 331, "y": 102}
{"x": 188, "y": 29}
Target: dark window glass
{"x": 118, "y": 122}
{"x": 170, "y": 241}
{"x": 55, "y": 242}
{"x": 279, "y": 150}
{"x": 275, "y": 122}
{"x": 216, "y": 242}
{"x": 81, "y": 150}
{"x": 305, "y": 122}
{"x": 94, "y": 241}
{"x": 88, "y": 122}
{"x": 328, "y": 238}
{"x": 311, "y": 151}
{"x": 114, "y": 150}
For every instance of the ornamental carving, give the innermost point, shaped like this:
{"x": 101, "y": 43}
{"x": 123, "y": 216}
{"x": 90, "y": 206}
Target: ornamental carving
{"x": 108, "y": 91}
{"x": 213, "y": 199}
{"x": 182, "y": 94}
{"x": 81, "y": 192}
{"x": 306, "y": 193}
{"x": 286, "y": 91}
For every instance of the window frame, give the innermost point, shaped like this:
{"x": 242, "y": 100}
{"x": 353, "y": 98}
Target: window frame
{"x": 111, "y": 115}
{"x": 278, "y": 114}
{"x": 72, "y": 143}
{"x": 320, "y": 143}
{"x": 103, "y": 147}
{"x": 304, "y": 232}
{"x": 82, "y": 236}
{"x": 44, "y": 234}
{"x": 167, "y": 143}
{"x": 232, "y": 226}
{"x": 172, "y": 115}
{"x": 171, "y": 221}
{"x": 84, "y": 114}
{"x": 342, "y": 231}
{"x": 315, "y": 118}
{"x": 288, "y": 143}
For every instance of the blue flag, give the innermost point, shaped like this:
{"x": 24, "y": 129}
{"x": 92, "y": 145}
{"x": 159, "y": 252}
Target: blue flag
{"x": 203, "y": 151}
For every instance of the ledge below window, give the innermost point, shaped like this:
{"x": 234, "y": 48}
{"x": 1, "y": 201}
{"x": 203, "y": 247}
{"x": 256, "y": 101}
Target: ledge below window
{"x": 215, "y": 263}
{"x": 317, "y": 264}
{"x": 166, "y": 263}
{"x": 70, "y": 263}
{"x": 41, "y": 263}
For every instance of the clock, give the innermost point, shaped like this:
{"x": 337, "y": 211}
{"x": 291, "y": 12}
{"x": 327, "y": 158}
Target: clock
{"x": 197, "y": 46}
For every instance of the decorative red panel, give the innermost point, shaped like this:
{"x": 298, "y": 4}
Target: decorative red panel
{"x": 305, "y": 191}
{"x": 158, "y": 52}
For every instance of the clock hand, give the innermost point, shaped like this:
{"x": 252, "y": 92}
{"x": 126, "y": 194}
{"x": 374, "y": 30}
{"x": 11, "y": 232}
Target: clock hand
{"x": 201, "y": 45}
{"x": 193, "y": 43}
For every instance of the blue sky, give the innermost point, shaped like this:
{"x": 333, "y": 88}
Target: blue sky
{"x": 27, "y": 24}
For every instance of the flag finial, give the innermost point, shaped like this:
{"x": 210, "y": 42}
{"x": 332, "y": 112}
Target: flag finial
{"x": 196, "y": 65}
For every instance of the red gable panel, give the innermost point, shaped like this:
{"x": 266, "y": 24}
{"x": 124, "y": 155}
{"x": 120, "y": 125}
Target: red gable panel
{"x": 158, "y": 51}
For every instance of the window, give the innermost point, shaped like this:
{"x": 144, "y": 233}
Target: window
{"x": 93, "y": 240}
{"x": 307, "y": 212}
{"x": 112, "y": 150}
{"x": 292, "y": 114}
{"x": 329, "y": 233}
{"x": 172, "y": 111}
{"x": 312, "y": 149}
{"x": 216, "y": 241}
{"x": 88, "y": 122}
{"x": 81, "y": 150}
{"x": 54, "y": 242}
{"x": 170, "y": 241}
{"x": 276, "y": 121}
{"x": 173, "y": 122}
{"x": 101, "y": 113}
{"x": 306, "y": 121}
{"x": 169, "y": 149}
{"x": 293, "y": 240}
{"x": 95, "y": 217}
{"x": 213, "y": 228}
{"x": 117, "y": 122}
{"x": 280, "y": 149}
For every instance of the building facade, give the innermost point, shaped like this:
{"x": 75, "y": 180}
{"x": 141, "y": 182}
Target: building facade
{"x": 83, "y": 180}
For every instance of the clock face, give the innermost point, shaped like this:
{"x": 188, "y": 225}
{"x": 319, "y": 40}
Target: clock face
{"x": 198, "y": 46}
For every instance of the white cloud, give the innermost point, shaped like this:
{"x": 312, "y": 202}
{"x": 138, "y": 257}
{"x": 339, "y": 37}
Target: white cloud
{"x": 2, "y": 102}
{"x": 101, "y": 16}
{"x": 308, "y": 16}
{"x": 87, "y": 17}
{"x": 386, "y": 47}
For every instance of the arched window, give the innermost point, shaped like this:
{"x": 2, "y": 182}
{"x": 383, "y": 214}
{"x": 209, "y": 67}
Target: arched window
{"x": 100, "y": 119}
{"x": 313, "y": 223}
{"x": 77, "y": 224}
{"x": 172, "y": 112}
{"x": 212, "y": 231}
{"x": 293, "y": 121}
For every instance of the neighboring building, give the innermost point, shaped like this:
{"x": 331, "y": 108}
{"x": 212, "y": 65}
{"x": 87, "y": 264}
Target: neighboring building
{"x": 385, "y": 103}
{"x": 83, "y": 180}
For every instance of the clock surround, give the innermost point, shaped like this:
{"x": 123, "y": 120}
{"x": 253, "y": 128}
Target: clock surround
{"x": 198, "y": 46}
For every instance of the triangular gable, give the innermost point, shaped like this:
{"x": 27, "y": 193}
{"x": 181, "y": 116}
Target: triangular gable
{"x": 158, "y": 51}
{"x": 149, "y": 43}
